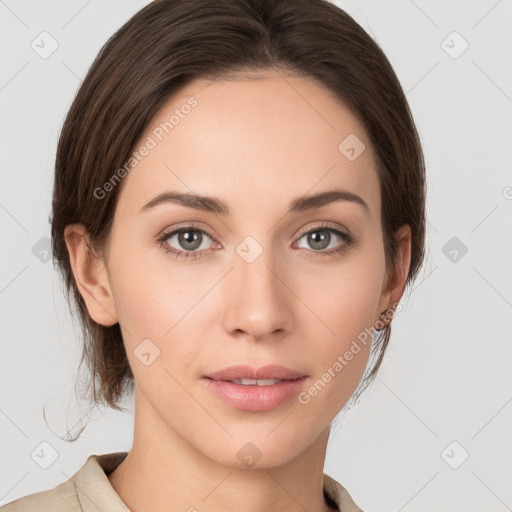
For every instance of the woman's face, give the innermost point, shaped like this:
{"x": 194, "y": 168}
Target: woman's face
{"x": 260, "y": 284}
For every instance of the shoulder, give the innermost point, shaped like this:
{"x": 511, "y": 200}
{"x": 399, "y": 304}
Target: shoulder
{"x": 88, "y": 489}
{"x": 62, "y": 498}
{"x": 339, "y": 495}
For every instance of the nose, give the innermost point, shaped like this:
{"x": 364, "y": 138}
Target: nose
{"x": 257, "y": 301}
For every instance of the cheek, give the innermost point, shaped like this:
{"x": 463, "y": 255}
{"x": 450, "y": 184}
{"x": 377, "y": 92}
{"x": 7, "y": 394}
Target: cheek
{"x": 345, "y": 297}
{"x": 155, "y": 300}
{"x": 341, "y": 321}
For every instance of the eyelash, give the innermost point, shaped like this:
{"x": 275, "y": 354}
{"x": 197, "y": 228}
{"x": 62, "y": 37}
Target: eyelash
{"x": 348, "y": 241}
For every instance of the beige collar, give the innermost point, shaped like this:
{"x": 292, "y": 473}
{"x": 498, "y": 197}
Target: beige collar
{"x": 96, "y": 493}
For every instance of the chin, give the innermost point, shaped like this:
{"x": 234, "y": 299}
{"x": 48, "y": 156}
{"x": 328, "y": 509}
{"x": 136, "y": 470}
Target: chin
{"x": 260, "y": 448}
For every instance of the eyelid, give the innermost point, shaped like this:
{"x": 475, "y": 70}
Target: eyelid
{"x": 185, "y": 225}
{"x": 324, "y": 224}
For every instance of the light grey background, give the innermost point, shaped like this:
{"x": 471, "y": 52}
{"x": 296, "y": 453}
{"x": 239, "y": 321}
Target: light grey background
{"x": 447, "y": 374}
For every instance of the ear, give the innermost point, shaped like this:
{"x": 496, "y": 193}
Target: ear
{"x": 395, "y": 284}
{"x": 91, "y": 275}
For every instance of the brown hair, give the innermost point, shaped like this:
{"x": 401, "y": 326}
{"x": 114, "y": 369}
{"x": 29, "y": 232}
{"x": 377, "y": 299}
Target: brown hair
{"x": 169, "y": 43}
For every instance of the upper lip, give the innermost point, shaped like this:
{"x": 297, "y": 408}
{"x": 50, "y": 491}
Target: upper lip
{"x": 271, "y": 371}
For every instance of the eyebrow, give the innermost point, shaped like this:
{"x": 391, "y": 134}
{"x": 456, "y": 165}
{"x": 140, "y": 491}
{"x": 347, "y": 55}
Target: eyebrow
{"x": 215, "y": 205}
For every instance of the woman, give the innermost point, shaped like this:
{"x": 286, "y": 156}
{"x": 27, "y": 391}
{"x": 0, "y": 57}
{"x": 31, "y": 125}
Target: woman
{"x": 238, "y": 206}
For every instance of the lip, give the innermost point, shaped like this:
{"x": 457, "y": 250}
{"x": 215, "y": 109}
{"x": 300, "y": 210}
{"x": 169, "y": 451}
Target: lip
{"x": 253, "y": 397}
{"x": 243, "y": 371}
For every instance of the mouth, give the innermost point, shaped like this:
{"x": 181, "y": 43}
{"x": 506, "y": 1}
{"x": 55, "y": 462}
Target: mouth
{"x": 250, "y": 376}
{"x": 255, "y": 392}
{"x": 258, "y": 382}
{"x": 256, "y": 397}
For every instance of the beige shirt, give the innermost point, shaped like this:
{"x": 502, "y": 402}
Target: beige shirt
{"x": 89, "y": 490}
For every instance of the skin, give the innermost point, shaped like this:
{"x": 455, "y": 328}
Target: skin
{"x": 256, "y": 144}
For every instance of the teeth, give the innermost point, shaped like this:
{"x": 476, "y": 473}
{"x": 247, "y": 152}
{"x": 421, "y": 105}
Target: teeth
{"x": 254, "y": 382}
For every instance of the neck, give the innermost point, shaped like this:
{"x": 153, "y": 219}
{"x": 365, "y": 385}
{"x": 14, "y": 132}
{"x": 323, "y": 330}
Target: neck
{"x": 165, "y": 472}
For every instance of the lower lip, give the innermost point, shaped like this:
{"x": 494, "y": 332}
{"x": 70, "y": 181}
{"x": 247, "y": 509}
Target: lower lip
{"x": 256, "y": 398}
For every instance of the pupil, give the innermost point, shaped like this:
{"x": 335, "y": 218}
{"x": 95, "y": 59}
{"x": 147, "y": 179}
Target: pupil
{"x": 318, "y": 242}
{"x": 188, "y": 239}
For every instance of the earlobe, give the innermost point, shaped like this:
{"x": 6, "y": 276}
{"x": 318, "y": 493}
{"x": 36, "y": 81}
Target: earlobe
{"x": 90, "y": 275}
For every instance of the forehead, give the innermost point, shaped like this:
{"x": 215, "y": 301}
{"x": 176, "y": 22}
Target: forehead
{"x": 248, "y": 140}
